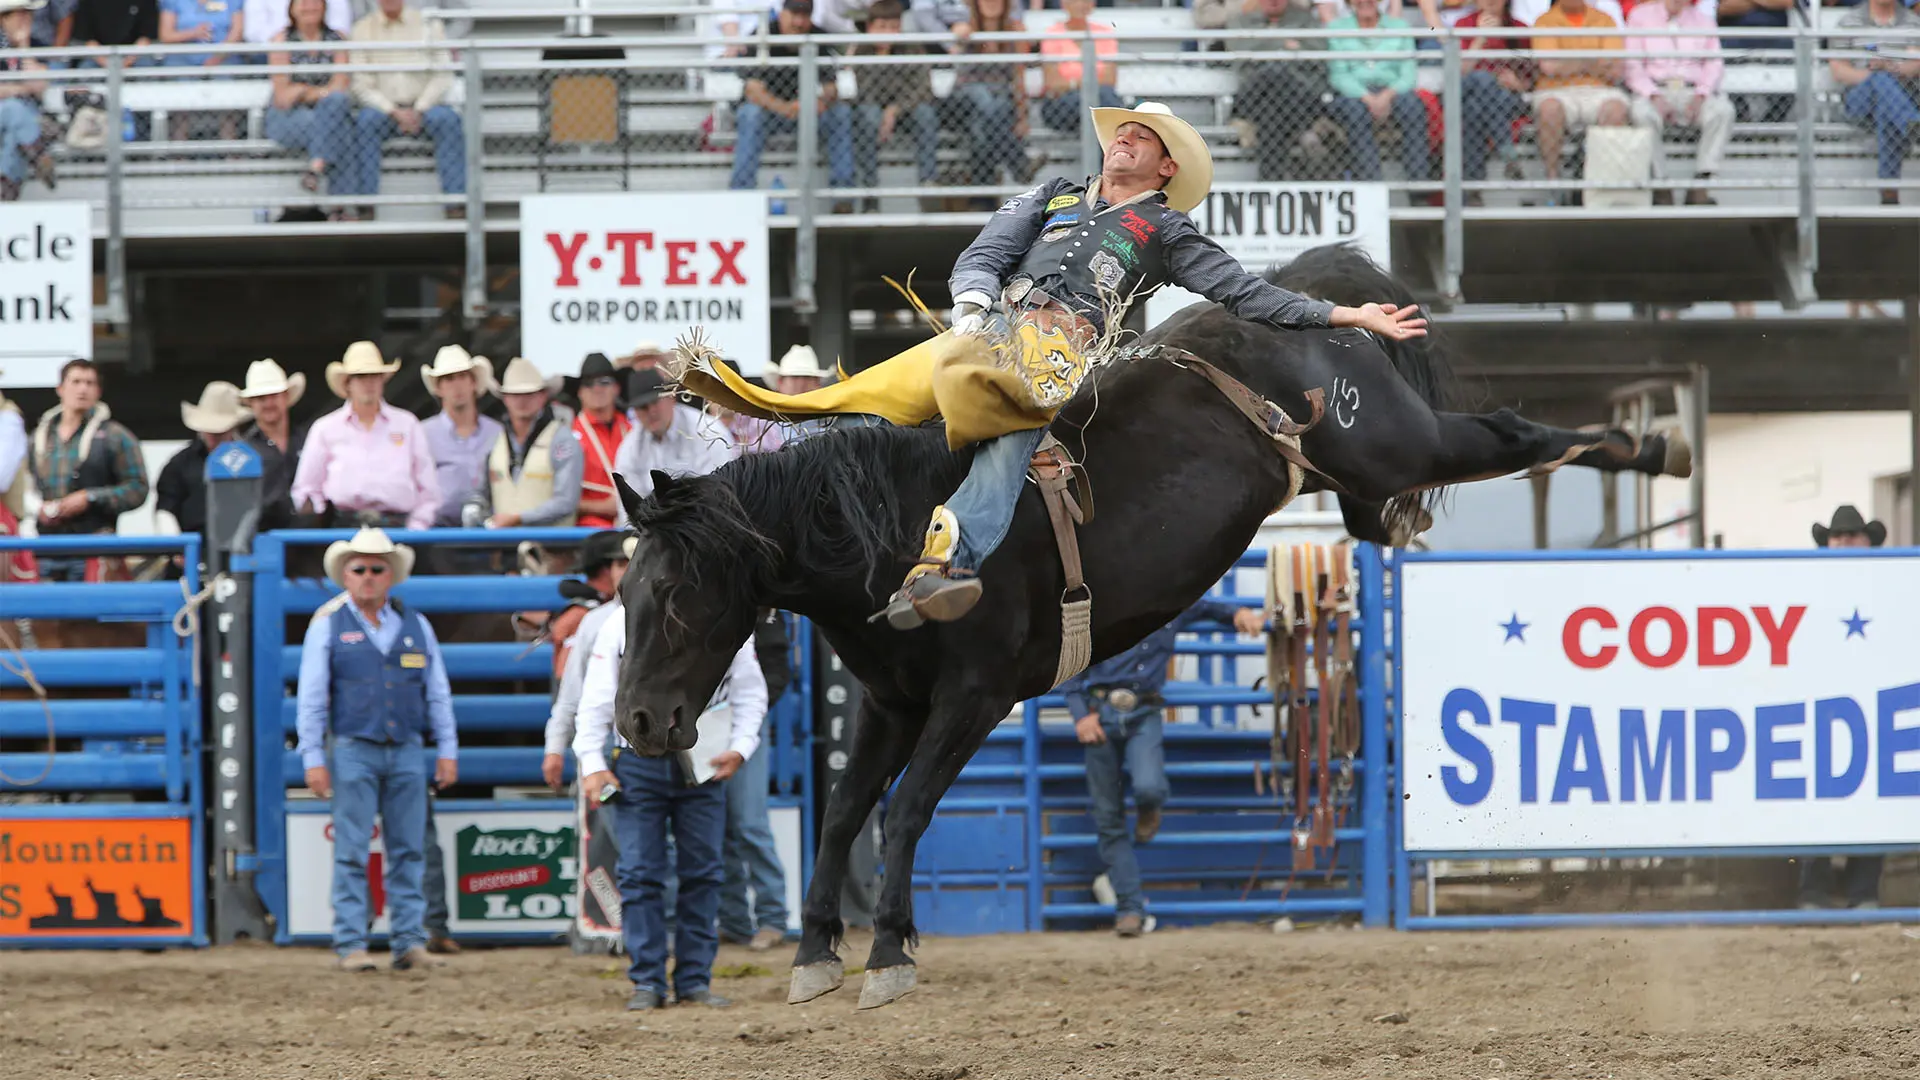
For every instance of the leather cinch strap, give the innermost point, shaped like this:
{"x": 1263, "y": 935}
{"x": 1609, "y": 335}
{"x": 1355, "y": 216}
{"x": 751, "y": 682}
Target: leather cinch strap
{"x": 1053, "y": 470}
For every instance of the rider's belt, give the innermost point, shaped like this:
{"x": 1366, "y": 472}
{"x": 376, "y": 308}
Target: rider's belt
{"x": 1021, "y": 294}
{"x": 1124, "y": 698}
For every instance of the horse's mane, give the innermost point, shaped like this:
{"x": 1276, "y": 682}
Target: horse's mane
{"x": 849, "y": 498}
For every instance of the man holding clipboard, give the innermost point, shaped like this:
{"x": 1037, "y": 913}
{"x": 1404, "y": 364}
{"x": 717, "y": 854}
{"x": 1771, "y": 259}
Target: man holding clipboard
{"x": 682, "y": 793}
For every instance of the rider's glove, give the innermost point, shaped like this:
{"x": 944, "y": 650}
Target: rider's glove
{"x": 970, "y": 313}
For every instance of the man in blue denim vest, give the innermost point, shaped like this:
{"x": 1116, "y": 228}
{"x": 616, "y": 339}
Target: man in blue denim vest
{"x": 1117, "y": 707}
{"x": 371, "y": 677}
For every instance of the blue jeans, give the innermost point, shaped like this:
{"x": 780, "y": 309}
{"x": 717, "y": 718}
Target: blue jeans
{"x": 989, "y": 118}
{"x": 19, "y": 128}
{"x": 753, "y": 125}
{"x": 1063, "y": 113}
{"x": 986, "y": 498}
{"x": 1488, "y": 111}
{"x": 924, "y": 119}
{"x": 1883, "y": 102}
{"x": 325, "y": 131}
{"x": 652, "y": 803}
{"x": 1133, "y": 739}
{"x": 388, "y": 779}
{"x": 440, "y": 123}
{"x": 1407, "y": 112}
{"x": 433, "y": 880}
{"x": 749, "y": 854}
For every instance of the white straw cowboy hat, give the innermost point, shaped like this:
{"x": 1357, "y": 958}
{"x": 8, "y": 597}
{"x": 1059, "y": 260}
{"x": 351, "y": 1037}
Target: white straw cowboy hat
{"x": 521, "y": 377}
{"x": 219, "y": 410}
{"x": 21, "y": 5}
{"x": 368, "y": 541}
{"x": 362, "y": 358}
{"x": 265, "y": 377}
{"x": 452, "y": 360}
{"x": 802, "y": 362}
{"x": 1184, "y": 145}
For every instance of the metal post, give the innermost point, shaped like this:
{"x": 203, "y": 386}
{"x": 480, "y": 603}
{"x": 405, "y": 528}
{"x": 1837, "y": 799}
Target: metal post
{"x": 116, "y": 192}
{"x": 1697, "y": 484}
{"x": 1453, "y": 239}
{"x": 1375, "y": 884}
{"x": 269, "y": 865}
{"x": 233, "y": 476}
{"x": 1541, "y": 483}
{"x": 1807, "y": 224}
{"x": 1031, "y": 795}
{"x": 806, "y": 250}
{"x": 474, "y": 306}
{"x": 1089, "y": 97}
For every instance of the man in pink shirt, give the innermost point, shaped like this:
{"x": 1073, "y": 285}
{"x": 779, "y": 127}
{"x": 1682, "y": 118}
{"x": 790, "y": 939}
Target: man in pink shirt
{"x": 1061, "y": 106}
{"x": 367, "y": 457}
{"x": 1679, "y": 91}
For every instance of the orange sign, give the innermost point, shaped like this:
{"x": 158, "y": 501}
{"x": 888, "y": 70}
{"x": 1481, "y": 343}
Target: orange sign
{"x": 96, "y": 876}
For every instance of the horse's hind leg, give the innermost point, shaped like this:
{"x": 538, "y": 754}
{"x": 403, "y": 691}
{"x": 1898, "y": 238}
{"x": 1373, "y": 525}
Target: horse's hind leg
{"x": 881, "y": 741}
{"x": 1478, "y": 446}
{"x": 960, "y": 722}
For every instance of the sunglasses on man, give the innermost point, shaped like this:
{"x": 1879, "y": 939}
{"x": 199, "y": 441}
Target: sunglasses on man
{"x": 376, "y": 569}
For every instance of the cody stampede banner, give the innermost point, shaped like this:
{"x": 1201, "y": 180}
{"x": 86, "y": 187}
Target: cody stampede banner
{"x": 508, "y": 871}
{"x": 1268, "y": 223}
{"x": 46, "y": 289}
{"x": 1656, "y": 703}
{"x": 600, "y": 273}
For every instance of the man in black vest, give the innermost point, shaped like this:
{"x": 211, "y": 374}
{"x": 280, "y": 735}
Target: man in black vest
{"x": 1051, "y": 270}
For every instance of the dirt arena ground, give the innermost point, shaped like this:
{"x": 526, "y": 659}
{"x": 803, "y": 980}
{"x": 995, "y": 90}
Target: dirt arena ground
{"x": 1233, "y": 1001}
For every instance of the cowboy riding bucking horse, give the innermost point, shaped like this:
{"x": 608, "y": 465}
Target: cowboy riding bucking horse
{"x": 1039, "y": 297}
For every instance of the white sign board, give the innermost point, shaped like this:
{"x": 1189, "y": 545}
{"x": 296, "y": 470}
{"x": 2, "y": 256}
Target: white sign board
{"x": 1701, "y": 702}
{"x": 46, "y": 290}
{"x": 601, "y": 273}
{"x": 1269, "y": 223}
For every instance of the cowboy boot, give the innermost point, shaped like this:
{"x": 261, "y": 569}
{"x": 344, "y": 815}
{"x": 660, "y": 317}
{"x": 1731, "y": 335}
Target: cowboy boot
{"x": 934, "y": 589}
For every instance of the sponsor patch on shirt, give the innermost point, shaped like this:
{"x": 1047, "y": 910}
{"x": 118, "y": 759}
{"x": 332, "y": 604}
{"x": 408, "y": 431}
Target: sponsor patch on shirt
{"x": 1107, "y": 271}
{"x": 352, "y": 637}
{"x": 1061, "y": 202}
{"x": 1057, "y": 234}
{"x": 1062, "y": 221}
{"x": 413, "y": 660}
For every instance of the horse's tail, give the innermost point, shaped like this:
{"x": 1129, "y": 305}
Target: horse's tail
{"x": 1346, "y": 274}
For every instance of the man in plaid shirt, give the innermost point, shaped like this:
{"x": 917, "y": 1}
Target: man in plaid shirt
{"x": 87, "y": 466}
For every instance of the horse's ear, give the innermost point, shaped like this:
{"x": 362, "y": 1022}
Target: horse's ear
{"x": 662, "y": 483}
{"x": 629, "y": 498}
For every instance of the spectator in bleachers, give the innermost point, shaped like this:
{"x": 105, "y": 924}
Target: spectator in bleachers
{"x": 892, "y": 95}
{"x": 1060, "y": 104}
{"x": 21, "y": 140}
{"x": 993, "y": 97}
{"x": 1369, "y": 92}
{"x": 202, "y": 22}
{"x": 459, "y": 436}
{"x": 53, "y": 26}
{"x": 534, "y": 467}
{"x": 677, "y": 439}
{"x": 770, "y": 105}
{"x": 1880, "y": 90}
{"x": 87, "y": 466}
{"x": 1281, "y": 101}
{"x": 453, "y": 29}
{"x": 117, "y": 22}
{"x": 600, "y": 427}
{"x": 266, "y": 19}
{"x": 935, "y": 16}
{"x": 1762, "y": 15}
{"x": 181, "y": 490}
{"x": 1680, "y": 92}
{"x": 1529, "y": 11}
{"x": 1493, "y": 90}
{"x": 270, "y": 395}
{"x": 367, "y": 457}
{"x": 361, "y": 744}
{"x": 603, "y": 562}
{"x": 1571, "y": 95}
{"x": 406, "y": 102}
{"x": 1116, "y": 705}
{"x": 314, "y": 112}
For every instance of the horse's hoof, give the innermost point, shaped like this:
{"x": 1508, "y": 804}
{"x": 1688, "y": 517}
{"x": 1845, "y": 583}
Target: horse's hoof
{"x": 885, "y": 986}
{"x": 815, "y": 979}
{"x": 1679, "y": 457}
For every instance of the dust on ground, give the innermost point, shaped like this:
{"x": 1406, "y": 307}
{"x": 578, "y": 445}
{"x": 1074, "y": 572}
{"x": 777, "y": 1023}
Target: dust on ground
{"x": 1224, "y": 1001}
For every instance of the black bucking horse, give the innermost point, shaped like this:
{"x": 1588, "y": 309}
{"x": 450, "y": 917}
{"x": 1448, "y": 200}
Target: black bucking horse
{"x": 826, "y": 527}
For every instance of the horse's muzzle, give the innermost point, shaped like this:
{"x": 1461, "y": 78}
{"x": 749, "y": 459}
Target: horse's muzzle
{"x": 652, "y": 736}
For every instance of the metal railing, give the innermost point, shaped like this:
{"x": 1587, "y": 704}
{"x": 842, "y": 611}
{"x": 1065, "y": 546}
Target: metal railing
{"x": 196, "y": 150}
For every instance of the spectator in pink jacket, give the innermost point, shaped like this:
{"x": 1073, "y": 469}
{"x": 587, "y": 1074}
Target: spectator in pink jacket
{"x": 368, "y": 459}
{"x": 1679, "y": 92}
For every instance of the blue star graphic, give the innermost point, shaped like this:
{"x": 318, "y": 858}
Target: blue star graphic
{"x": 1856, "y": 624}
{"x": 1515, "y": 629}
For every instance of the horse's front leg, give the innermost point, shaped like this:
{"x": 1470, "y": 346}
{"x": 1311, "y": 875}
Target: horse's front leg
{"x": 881, "y": 741}
{"x": 958, "y": 724}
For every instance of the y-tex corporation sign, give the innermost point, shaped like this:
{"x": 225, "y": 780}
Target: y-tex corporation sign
{"x": 46, "y": 289}
{"x": 600, "y": 273}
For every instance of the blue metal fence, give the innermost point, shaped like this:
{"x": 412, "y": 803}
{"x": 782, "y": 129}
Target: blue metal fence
{"x": 121, "y": 767}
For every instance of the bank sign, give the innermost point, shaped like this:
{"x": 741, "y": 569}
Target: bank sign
{"x": 1699, "y": 702}
{"x": 46, "y": 289}
{"x": 1268, "y": 224}
{"x": 601, "y": 273}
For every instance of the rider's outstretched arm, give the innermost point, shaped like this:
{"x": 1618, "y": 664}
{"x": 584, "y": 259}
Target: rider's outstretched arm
{"x": 1198, "y": 264}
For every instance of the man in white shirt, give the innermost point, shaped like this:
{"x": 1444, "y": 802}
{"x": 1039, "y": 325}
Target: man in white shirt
{"x": 677, "y": 439}
{"x": 405, "y": 102}
{"x": 655, "y": 798}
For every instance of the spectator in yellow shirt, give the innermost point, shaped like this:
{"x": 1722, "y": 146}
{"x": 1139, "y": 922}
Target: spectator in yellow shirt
{"x": 1580, "y": 91}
